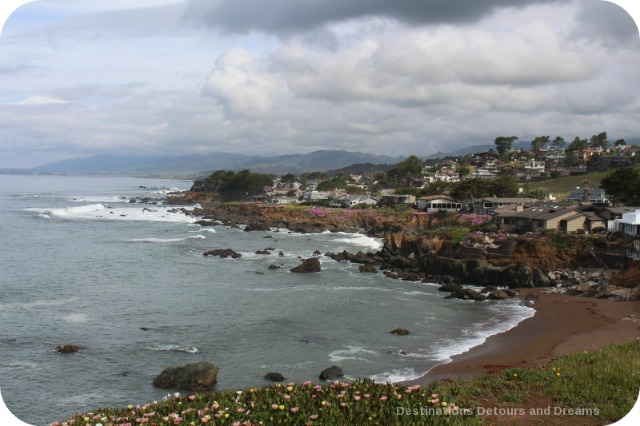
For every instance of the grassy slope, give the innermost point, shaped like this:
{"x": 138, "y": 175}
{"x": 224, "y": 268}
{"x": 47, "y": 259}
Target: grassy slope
{"x": 603, "y": 385}
{"x": 562, "y": 186}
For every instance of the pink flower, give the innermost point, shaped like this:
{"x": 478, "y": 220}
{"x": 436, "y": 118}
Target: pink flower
{"x": 383, "y": 398}
{"x": 274, "y": 406}
{"x": 356, "y": 398}
{"x": 295, "y": 409}
{"x": 313, "y": 416}
{"x": 191, "y": 397}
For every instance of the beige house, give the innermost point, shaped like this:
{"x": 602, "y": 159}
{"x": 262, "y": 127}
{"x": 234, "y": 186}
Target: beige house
{"x": 547, "y": 218}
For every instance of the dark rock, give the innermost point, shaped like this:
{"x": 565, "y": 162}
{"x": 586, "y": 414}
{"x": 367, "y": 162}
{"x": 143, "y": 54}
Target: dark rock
{"x": 529, "y": 300}
{"x": 280, "y": 253}
{"x": 308, "y": 265}
{"x": 450, "y": 287}
{"x": 205, "y": 222}
{"x": 367, "y": 268}
{"x": 316, "y": 253}
{"x": 511, "y": 292}
{"x": 488, "y": 289}
{"x": 67, "y": 349}
{"x": 400, "y": 331}
{"x": 222, "y": 253}
{"x": 274, "y": 377}
{"x": 497, "y": 295}
{"x": 467, "y": 294}
{"x": 200, "y": 377}
{"x": 263, "y": 252}
{"x": 390, "y": 275}
{"x": 331, "y": 373}
{"x": 274, "y": 267}
{"x": 257, "y": 226}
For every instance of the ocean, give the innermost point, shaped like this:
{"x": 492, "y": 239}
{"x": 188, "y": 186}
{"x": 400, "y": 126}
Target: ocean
{"x": 82, "y": 265}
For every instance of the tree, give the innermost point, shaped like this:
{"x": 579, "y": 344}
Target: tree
{"x": 504, "y": 143}
{"x": 412, "y": 166}
{"x": 622, "y": 186}
{"x": 620, "y": 142}
{"x": 599, "y": 141}
{"x": 577, "y": 145}
{"x": 558, "y": 143}
{"x": 539, "y": 142}
{"x": 463, "y": 171}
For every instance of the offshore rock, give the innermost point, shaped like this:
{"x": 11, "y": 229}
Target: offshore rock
{"x": 467, "y": 294}
{"x": 201, "y": 377}
{"x": 400, "y": 331}
{"x": 331, "y": 373}
{"x": 222, "y": 253}
{"x": 274, "y": 377}
{"x": 367, "y": 268}
{"x": 67, "y": 349}
{"x": 308, "y": 265}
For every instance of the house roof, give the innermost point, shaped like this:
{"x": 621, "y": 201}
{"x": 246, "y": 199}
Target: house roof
{"x": 508, "y": 200}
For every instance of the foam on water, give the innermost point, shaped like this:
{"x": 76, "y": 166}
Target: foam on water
{"x": 99, "y": 199}
{"x": 360, "y": 240}
{"x": 352, "y": 352}
{"x": 104, "y": 212}
{"x": 166, "y": 240}
{"x": 508, "y": 315}
{"x": 172, "y": 348}
{"x": 77, "y": 318}
{"x": 396, "y": 375}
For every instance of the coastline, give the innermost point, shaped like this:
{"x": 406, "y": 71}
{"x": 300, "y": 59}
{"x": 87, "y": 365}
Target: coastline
{"x": 562, "y": 324}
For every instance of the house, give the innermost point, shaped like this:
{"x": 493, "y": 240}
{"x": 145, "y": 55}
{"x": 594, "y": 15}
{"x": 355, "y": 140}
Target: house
{"x": 438, "y": 203}
{"x": 629, "y": 224}
{"x": 393, "y": 200}
{"x": 595, "y": 195}
{"x": 353, "y": 200}
{"x": 282, "y": 200}
{"x": 487, "y": 205}
{"x": 534, "y": 165}
{"x": 532, "y": 219}
{"x": 314, "y": 196}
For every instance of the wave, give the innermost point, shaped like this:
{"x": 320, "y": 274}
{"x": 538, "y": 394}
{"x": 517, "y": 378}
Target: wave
{"x": 353, "y": 352}
{"x": 166, "y": 240}
{"x": 173, "y": 348}
{"x": 396, "y": 375}
{"x": 104, "y": 212}
{"x": 360, "y": 240}
{"x": 508, "y": 315}
{"x": 205, "y": 229}
{"x": 77, "y": 318}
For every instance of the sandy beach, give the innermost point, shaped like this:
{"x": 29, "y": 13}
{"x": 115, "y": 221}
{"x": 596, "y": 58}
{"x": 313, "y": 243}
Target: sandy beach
{"x": 562, "y": 324}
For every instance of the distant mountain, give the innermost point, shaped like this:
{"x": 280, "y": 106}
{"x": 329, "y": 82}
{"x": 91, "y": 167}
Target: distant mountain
{"x": 200, "y": 165}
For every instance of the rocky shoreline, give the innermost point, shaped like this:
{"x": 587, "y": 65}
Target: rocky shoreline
{"x": 410, "y": 252}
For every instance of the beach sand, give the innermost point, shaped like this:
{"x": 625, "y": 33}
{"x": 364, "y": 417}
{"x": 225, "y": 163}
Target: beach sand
{"x": 562, "y": 324}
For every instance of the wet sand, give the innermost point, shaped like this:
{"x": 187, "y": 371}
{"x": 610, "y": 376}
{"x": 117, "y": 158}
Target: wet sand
{"x": 562, "y": 324}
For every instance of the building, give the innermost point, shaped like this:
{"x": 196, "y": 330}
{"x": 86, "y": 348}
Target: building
{"x": 487, "y": 205}
{"x": 393, "y": 200}
{"x": 438, "y": 203}
{"x": 629, "y": 224}
{"x": 547, "y": 218}
{"x": 595, "y": 195}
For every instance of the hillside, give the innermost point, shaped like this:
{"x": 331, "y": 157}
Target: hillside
{"x": 200, "y": 165}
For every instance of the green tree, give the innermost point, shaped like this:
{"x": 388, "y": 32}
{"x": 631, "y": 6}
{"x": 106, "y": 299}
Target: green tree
{"x": 599, "y": 141}
{"x": 622, "y": 186}
{"x": 539, "y": 142}
{"x": 620, "y": 142}
{"x": 578, "y": 145}
{"x": 412, "y": 166}
{"x": 558, "y": 143}
{"x": 504, "y": 143}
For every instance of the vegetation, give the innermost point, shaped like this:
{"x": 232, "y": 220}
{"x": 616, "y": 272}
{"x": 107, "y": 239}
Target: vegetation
{"x": 232, "y": 185}
{"x": 623, "y": 186}
{"x": 602, "y": 384}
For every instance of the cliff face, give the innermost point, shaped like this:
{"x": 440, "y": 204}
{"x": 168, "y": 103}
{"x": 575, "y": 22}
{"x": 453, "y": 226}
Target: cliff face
{"x": 309, "y": 219}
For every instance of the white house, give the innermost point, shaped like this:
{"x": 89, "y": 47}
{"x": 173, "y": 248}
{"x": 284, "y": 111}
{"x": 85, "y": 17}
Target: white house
{"x": 438, "y": 203}
{"x": 629, "y": 224}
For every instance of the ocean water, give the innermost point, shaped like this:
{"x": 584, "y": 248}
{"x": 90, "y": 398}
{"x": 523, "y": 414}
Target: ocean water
{"x": 82, "y": 265}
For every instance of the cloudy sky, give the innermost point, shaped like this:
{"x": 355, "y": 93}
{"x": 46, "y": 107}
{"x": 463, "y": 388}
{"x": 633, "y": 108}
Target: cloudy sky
{"x": 270, "y": 77}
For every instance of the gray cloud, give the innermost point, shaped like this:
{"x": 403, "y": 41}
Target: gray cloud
{"x": 291, "y": 16}
{"x": 607, "y": 23}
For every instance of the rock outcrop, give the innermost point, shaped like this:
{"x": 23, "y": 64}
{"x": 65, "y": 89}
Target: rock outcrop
{"x": 274, "y": 377}
{"x": 222, "y": 253}
{"x": 331, "y": 373}
{"x": 67, "y": 349}
{"x": 200, "y": 377}
{"x": 308, "y": 265}
{"x": 400, "y": 331}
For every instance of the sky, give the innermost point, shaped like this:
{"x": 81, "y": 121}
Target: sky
{"x": 273, "y": 77}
